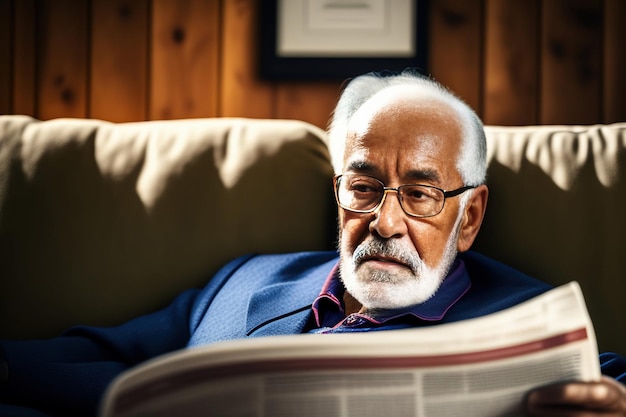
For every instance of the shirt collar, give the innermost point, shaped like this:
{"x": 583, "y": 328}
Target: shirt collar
{"x": 328, "y": 307}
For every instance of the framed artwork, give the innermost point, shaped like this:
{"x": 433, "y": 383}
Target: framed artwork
{"x": 338, "y": 39}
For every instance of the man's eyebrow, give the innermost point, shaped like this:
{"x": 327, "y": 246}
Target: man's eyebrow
{"x": 429, "y": 175}
{"x": 413, "y": 176}
{"x": 361, "y": 166}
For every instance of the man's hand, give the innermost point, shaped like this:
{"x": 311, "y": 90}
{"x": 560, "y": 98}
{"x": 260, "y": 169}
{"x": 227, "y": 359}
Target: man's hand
{"x": 606, "y": 397}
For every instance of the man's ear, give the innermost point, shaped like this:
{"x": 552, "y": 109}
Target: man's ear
{"x": 472, "y": 217}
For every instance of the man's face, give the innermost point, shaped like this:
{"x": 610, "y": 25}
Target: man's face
{"x": 389, "y": 259}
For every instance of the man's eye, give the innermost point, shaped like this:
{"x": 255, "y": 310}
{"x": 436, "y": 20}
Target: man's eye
{"x": 362, "y": 187}
{"x": 416, "y": 194}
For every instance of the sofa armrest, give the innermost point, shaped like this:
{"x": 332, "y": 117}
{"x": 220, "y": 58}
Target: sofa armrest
{"x": 556, "y": 211}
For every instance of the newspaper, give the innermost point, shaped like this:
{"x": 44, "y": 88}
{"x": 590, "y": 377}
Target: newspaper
{"x": 478, "y": 367}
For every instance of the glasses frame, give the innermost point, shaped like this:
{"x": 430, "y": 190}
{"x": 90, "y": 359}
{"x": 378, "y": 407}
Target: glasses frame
{"x": 446, "y": 195}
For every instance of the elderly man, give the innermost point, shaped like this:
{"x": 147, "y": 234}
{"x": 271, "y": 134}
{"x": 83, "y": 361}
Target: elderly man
{"x": 410, "y": 160}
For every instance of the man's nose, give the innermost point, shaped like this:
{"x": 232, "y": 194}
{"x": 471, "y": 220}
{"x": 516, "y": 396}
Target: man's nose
{"x": 390, "y": 219}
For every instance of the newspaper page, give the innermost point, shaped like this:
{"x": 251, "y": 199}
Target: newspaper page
{"x": 477, "y": 367}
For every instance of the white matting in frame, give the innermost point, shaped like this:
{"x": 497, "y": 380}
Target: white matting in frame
{"x": 346, "y": 28}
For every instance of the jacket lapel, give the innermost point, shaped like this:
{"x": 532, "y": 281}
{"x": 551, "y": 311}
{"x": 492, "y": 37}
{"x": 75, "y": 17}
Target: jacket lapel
{"x": 285, "y": 308}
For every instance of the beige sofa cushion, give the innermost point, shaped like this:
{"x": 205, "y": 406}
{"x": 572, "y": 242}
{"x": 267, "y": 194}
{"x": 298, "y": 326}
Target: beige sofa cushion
{"x": 557, "y": 208}
{"x": 100, "y": 222}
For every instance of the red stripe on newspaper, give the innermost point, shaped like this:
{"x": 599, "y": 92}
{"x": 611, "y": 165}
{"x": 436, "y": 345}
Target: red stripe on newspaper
{"x": 179, "y": 381}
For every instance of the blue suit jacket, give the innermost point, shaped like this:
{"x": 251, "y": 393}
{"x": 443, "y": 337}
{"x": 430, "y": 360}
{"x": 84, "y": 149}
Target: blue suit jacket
{"x": 277, "y": 292}
{"x": 252, "y": 296}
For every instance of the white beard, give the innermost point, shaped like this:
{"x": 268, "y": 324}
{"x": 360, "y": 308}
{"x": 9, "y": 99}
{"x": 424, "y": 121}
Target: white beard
{"x": 380, "y": 290}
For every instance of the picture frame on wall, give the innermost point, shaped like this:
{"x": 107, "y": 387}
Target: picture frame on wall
{"x": 338, "y": 39}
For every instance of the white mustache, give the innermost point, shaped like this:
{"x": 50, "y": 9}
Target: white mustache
{"x": 387, "y": 248}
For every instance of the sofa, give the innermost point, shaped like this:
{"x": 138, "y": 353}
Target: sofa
{"x": 100, "y": 221}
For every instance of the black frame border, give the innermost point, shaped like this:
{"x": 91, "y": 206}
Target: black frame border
{"x": 273, "y": 67}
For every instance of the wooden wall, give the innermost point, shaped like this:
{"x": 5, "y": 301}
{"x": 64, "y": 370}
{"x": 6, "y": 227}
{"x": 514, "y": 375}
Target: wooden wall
{"x": 515, "y": 61}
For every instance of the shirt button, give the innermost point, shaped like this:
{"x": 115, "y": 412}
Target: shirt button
{"x": 352, "y": 320}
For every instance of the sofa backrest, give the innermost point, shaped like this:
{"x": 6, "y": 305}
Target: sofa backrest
{"x": 100, "y": 222}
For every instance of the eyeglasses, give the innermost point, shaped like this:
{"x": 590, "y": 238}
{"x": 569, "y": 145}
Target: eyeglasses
{"x": 365, "y": 194}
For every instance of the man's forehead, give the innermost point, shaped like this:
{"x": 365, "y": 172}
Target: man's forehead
{"x": 398, "y": 101}
{"x": 414, "y": 174}
{"x": 405, "y": 95}
{"x": 402, "y": 119}
{"x": 417, "y": 135}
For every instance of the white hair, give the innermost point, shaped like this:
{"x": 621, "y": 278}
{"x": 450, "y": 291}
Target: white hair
{"x": 472, "y": 159}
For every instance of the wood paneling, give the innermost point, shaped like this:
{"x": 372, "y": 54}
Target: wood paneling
{"x": 571, "y": 53}
{"x": 615, "y": 61}
{"x": 119, "y": 60}
{"x": 242, "y": 93}
{"x": 25, "y": 62}
{"x": 185, "y": 58}
{"x": 511, "y": 62}
{"x": 63, "y": 67}
{"x": 515, "y": 62}
{"x": 455, "y": 47}
{"x": 6, "y": 56}
{"x": 311, "y": 102}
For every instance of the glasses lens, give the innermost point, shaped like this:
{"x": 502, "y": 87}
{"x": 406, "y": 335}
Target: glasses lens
{"x": 358, "y": 192}
{"x": 420, "y": 200}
